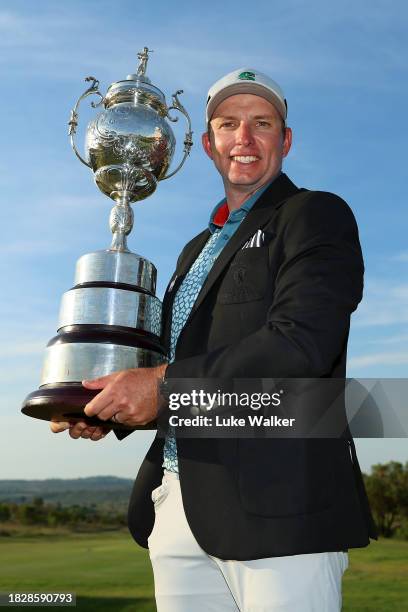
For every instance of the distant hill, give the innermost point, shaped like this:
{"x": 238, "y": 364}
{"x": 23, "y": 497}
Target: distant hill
{"x": 96, "y": 490}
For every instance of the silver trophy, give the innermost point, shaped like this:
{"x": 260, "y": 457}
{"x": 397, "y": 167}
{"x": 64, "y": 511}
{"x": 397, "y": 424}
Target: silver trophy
{"x": 111, "y": 319}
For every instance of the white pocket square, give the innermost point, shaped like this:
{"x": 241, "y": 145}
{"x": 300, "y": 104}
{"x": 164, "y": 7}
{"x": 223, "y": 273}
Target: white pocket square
{"x": 257, "y": 240}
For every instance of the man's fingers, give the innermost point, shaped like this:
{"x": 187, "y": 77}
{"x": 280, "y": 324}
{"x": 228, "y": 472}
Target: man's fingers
{"x": 81, "y": 429}
{"x": 99, "y": 433}
{"x": 58, "y": 426}
{"x": 100, "y": 382}
{"x": 78, "y": 429}
{"x": 107, "y": 412}
{"x": 87, "y": 433}
{"x": 99, "y": 403}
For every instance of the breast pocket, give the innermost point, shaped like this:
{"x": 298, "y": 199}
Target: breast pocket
{"x": 247, "y": 277}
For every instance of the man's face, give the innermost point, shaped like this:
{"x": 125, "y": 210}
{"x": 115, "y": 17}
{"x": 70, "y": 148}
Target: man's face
{"x": 246, "y": 142}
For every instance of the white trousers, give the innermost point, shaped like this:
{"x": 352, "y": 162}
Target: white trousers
{"x": 187, "y": 579}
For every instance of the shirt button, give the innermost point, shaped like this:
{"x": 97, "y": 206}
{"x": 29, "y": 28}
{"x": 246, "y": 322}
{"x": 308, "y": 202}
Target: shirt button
{"x": 225, "y": 237}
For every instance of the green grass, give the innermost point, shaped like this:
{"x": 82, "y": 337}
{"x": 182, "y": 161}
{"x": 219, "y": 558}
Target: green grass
{"x": 109, "y": 572}
{"x": 376, "y": 580}
{"x": 106, "y": 571}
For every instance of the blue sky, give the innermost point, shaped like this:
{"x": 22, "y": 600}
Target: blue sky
{"x": 343, "y": 69}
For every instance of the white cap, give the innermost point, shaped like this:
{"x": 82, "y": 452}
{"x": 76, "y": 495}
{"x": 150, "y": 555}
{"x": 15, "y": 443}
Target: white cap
{"x": 246, "y": 80}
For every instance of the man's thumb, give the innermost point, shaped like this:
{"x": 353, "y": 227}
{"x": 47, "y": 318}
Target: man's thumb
{"x": 96, "y": 383}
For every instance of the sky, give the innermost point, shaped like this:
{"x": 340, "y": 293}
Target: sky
{"x": 343, "y": 69}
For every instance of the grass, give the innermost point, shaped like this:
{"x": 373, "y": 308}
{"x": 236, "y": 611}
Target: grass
{"x": 106, "y": 571}
{"x": 376, "y": 580}
{"x": 109, "y": 572}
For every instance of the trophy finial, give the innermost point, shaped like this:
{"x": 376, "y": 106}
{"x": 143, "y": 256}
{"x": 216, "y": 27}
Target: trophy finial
{"x": 143, "y": 57}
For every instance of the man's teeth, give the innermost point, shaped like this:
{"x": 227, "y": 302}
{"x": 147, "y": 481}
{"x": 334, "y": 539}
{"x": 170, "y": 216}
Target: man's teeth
{"x": 245, "y": 159}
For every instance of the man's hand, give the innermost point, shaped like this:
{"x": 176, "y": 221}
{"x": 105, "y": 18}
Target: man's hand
{"x": 130, "y": 396}
{"x": 81, "y": 429}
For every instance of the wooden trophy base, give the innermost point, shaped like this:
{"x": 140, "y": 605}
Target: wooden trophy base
{"x": 66, "y": 402}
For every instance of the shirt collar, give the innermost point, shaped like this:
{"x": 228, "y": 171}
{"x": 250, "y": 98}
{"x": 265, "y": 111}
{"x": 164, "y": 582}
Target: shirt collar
{"x": 221, "y": 213}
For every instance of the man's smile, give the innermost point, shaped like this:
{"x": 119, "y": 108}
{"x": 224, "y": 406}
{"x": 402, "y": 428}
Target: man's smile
{"x": 245, "y": 159}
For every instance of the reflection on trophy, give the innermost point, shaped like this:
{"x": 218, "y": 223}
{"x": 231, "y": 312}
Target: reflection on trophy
{"x": 111, "y": 319}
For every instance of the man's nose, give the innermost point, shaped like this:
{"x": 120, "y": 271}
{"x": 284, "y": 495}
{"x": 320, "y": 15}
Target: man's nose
{"x": 244, "y": 134}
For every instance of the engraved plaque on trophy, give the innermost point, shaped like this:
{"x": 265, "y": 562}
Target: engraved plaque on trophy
{"x": 111, "y": 319}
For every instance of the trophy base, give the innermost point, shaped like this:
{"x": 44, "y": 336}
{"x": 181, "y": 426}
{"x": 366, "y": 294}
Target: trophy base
{"x": 66, "y": 402}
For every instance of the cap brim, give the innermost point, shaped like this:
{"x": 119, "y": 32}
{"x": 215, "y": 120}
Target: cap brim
{"x": 246, "y": 87}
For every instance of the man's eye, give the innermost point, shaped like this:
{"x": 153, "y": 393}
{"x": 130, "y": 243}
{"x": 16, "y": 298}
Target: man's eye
{"x": 227, "y": 124}
{"x": 263, "y": 123}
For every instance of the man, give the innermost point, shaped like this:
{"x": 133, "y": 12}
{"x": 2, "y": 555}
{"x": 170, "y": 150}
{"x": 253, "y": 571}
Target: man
{"x": 265, "y": 291}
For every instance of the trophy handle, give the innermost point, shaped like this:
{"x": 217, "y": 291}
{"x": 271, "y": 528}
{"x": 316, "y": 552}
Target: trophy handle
{"x": 73, "y": 120}
{"x": 188, "y": 140}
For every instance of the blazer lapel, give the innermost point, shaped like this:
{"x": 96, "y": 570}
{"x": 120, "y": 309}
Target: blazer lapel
{"x": 258, "y": 216}
{"x": 195, "y": 248}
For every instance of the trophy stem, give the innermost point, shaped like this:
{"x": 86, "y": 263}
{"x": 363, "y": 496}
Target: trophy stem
{"x": 119, "y": 242}
{"x": 121, "y": 224}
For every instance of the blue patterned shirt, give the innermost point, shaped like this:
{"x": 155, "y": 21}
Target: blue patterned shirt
{"x": 191, "y": 286}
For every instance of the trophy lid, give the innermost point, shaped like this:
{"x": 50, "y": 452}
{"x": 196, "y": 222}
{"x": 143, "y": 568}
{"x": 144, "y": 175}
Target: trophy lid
{"x": 137, "y": 88}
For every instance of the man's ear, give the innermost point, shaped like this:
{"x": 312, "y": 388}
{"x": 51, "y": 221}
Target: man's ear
{"x": 206, "y": 141}
{"x": 287, "y": 142}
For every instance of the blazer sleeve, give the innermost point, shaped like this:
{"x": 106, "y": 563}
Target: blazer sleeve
{"x": 318, "y": 285}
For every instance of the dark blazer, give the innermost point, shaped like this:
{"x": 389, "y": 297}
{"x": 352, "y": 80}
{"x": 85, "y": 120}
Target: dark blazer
{"x": 280, "y": 310}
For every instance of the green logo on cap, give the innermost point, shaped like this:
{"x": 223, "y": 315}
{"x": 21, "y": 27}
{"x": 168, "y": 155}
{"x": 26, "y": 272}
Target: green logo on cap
{"x": 247, "y": 76}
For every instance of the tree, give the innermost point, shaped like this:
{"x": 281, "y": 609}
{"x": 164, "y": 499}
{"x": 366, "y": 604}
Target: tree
{"x": 5, "y": 512}
{"x": 387, "y": 490}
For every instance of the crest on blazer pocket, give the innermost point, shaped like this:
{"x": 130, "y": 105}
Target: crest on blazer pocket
{"x": 247, "y": 277}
